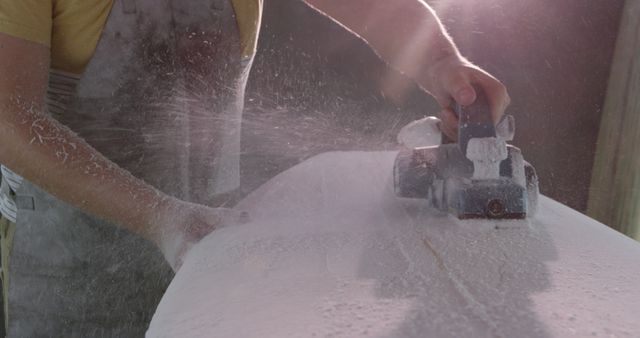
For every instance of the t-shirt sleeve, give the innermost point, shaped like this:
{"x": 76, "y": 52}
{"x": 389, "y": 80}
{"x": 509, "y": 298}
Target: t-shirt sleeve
{"x": 77, "y": 28}
{"x": 27, "y": 19}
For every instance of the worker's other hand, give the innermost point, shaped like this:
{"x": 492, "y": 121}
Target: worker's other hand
{"x": 180, "y": 225}
{"x": 452, "y": 79}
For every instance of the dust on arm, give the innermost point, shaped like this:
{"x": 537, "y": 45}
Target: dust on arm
{"x": 47, "y": 153}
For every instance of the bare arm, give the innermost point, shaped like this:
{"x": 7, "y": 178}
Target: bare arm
{"x": 408, "y": 35}
{"x": 50, "y": 155}
{"x": 405, "y": 33}
{"x": 47, "y": 153}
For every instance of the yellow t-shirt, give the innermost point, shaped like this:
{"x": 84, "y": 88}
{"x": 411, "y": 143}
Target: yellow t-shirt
{"x": 72, "y": 28}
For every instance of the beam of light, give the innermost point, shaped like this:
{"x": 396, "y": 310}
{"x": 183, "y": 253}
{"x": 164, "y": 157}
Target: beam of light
{"x": 396, "y": 87}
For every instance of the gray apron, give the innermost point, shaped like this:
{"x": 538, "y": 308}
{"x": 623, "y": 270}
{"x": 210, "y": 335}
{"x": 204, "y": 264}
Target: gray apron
{"x": 163, "y": 98}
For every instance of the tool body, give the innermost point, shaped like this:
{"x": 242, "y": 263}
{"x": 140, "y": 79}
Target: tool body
{"x": 479, "y": 177}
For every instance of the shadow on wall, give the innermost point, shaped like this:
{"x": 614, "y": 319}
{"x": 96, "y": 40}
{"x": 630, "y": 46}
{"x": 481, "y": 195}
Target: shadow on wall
{"x": 316, "y": 88}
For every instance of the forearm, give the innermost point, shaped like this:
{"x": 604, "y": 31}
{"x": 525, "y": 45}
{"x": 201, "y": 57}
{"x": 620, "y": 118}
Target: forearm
{"x": 405, "y": 33}
{"x": 53, "y": 157}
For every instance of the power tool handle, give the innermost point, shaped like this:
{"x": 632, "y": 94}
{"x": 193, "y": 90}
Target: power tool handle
{"x": 475, "y": 120}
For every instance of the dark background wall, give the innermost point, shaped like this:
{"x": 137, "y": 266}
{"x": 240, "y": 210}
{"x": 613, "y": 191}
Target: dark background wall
{"x": 316, "y": 88}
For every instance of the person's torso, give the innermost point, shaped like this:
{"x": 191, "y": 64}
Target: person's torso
{"x": 163, "y": 94}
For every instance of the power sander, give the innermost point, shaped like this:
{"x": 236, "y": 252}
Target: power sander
{"x": 479, "y": 177}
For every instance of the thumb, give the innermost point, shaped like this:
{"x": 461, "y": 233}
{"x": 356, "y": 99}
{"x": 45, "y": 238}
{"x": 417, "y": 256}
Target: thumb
{"x": 464, "y": 94}
{"x": 230, "y": 217}
{"x": 205, "y": 220}
{"x": 459, "y": 87}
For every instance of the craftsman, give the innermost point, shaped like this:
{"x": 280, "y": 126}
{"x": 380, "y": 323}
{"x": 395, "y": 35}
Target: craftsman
{"x": 129, "y": 112}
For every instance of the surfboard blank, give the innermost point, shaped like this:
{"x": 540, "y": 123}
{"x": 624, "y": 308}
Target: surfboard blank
{"x": 331, "y": 252}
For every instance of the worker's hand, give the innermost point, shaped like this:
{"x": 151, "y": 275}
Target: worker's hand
{"x": 452, "y": 79}
{"x": 180, "y": 225}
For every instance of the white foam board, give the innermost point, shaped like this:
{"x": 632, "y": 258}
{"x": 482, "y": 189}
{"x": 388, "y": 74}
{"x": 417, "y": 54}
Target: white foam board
{"x": 331, "y": 252}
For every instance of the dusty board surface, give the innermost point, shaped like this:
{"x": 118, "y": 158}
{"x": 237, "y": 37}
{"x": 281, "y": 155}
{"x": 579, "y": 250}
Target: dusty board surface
{"x": 332, "y": 253}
